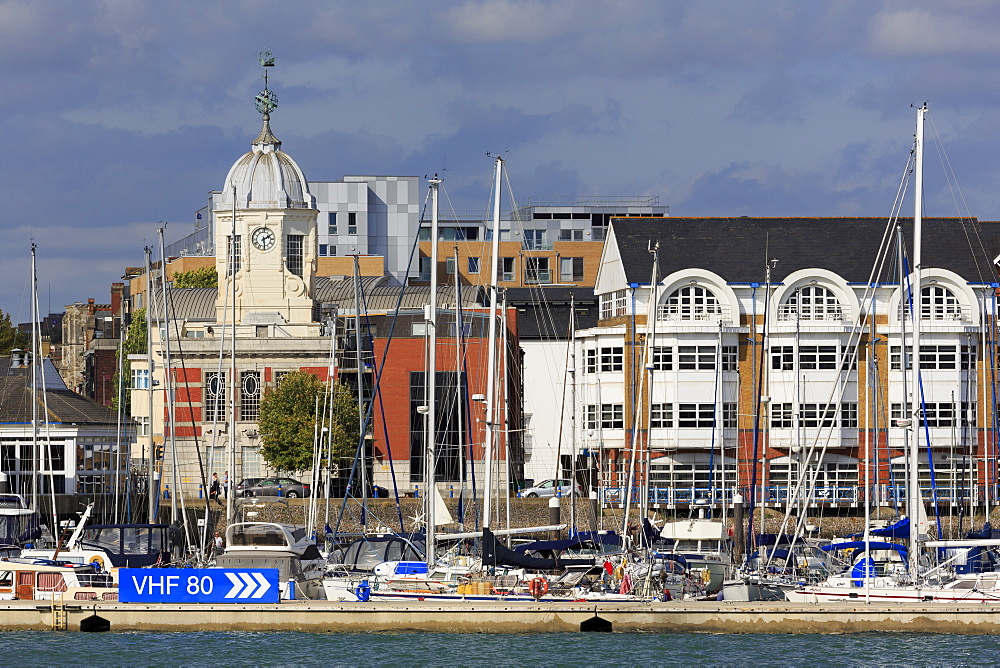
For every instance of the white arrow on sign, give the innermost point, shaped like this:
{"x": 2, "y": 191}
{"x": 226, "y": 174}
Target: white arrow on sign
{"x": 247, "y": 585}
{"x": 237, "y": 585}
{"x": 264, "y": 585}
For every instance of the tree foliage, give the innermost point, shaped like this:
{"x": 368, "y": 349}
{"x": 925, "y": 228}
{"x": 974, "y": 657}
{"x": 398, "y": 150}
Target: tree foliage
{"x": 135, "y": 344}
{"x": 206, "y": 277}
{"x": 288, "y": 417}
{"x": 8, "y": 334}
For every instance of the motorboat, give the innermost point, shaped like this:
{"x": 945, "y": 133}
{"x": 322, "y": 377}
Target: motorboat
{"x": 285, "y": 547}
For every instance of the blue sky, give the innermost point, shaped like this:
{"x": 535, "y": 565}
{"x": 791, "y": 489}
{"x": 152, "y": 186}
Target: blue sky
{"x": 120, "y": 115}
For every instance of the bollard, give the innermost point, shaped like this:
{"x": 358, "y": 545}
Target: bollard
{"x": 166, "y": 491}
{"x": 554, "y": 504}
{"x": 739, "y": 533}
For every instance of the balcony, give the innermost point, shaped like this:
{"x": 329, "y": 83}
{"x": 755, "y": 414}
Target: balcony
{"x": 542, "y": 276}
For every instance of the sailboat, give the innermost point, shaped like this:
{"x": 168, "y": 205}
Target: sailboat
{"x": 888, "y": 571}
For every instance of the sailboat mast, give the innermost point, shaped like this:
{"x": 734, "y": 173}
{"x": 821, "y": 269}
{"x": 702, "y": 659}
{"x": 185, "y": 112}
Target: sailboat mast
{"x": 152, "y": 488}
{"x": 34, "y": 391}
{"x": 361, "y": 388}
{"x": 916, "y": 311}
{"x": 491, "y": 353}
{"x": 430, "y": 451}
{"x": 231, "y": 265}
{"x": 168, "y": 381}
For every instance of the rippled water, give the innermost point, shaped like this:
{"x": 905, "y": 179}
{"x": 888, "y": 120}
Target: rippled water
{"x": 436, "y": 649}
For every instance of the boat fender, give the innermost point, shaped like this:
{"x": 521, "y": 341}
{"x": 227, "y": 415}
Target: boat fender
{"x": 97, "y": 561}
{"x": 538, "y": 587}
{"x": 706, "y": 576}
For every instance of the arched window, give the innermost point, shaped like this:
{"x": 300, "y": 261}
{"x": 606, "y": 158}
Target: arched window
{"x": 811, "y": 302}
{"x": 939, "y": 303}
{"x": 692, "y": 302}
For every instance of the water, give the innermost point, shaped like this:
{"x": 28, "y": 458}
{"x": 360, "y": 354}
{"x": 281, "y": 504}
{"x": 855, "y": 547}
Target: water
{"x": 438, "y": 649}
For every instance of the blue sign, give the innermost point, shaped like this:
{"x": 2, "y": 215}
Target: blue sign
{"x": 198, "y": 585}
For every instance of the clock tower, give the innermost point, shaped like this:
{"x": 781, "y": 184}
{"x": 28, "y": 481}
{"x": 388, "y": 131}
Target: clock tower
{"x": 265, "y": 235}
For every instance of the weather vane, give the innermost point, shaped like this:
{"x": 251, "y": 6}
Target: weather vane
{"x": 266, "y": 101}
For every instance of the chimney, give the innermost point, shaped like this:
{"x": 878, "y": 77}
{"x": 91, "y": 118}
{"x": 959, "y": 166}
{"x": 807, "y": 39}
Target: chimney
{"x": 116, "y": 298}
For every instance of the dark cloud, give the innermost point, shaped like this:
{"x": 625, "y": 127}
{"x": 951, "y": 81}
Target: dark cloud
{"x": 121, "y": 114}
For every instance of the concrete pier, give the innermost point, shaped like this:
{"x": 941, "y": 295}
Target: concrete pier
{"x": 499, "y": 617}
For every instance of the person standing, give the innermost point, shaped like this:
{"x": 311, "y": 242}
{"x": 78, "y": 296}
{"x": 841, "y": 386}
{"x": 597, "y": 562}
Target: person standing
{"x": 213, "y": 490}
{"x": 225, "y": 483}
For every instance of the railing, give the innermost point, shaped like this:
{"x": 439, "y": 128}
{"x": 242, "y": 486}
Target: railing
{"x": 533, "y": 277}
{"x": 779, "y": 495}
{"x": 674, "y": 312}
{"x": 790, "y": 312}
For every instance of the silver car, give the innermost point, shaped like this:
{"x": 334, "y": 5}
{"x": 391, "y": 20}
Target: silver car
{"x": 553, "y": 487}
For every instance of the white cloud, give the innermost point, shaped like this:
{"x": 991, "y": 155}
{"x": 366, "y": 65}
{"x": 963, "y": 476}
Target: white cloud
{"x": 935, "y": 31}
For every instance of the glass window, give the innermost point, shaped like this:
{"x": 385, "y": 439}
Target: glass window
{"x": 781, "y": 416}
{"x": 661, "y": 416}
{"x": 695, "y": 415}
{"x": 140, "y": 379}
{"x": 570, "y": 269}
{"x": 939, "y": 303}
{"x": 352, "y": 223}
{"x": 692, "y": 302}
{"x": 816, "y": 415}
{"x": 332, "y": 223}
{"x": 215, "y": 397}
{"x": 729, "y": 415}
{"x": 295, "y": 255}
{"x": 590, "y": 360}
{"x": 506, "y": 267}
{"x": 811, "y": 302}
{"x": 817, "y": 357}
{"x": 730, "y": 358}
{"x": 474, "y": 263}
{"x": 782, "y": 358}
{"x": 700, "y": 358}
{"x": 234, "y": 255}
{"x": 612, "y": 358}
{"x": 536, "y": 270}
{"x": 663, "y": 358}
{"x": 534, "y": 239}
{"x": 249, "y": 396}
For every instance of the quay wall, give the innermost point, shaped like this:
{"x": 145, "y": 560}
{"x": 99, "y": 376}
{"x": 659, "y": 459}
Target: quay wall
{"x": 500, "y": 617}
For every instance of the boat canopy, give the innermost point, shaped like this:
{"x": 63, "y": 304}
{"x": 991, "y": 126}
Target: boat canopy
{"x": 365, "y": 553}
{"x": 129, "y": 545}
{"x": 861, "y": 546}
{"x": 900, "y": 529}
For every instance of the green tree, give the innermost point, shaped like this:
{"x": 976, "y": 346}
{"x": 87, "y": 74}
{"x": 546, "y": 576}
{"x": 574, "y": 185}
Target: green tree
{"x": 134, "y": 344}
{"x": 8, "y": 334}
{"x": 288, "y": 417}
{"x": 206, "y": 277}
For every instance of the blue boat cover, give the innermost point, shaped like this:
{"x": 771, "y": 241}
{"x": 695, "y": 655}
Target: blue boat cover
{"x": 872, "y": 545}
{"x": 900, "y": 529}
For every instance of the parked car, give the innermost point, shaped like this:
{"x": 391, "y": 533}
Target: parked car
{"x": 274, "y": 486}
{"x": 338, "y": 488}
{"x": 551, "y": 487}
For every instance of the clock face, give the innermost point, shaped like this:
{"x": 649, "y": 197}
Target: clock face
{"x": 262, "y": 239}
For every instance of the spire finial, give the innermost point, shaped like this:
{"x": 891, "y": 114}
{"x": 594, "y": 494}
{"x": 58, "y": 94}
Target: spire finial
{"x": 266, "y": 102}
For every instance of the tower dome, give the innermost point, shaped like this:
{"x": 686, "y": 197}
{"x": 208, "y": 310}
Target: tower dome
{"x": 266, "y": 177}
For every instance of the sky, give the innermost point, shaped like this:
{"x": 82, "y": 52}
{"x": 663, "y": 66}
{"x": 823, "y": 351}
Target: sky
{"x": 119, "y": 116}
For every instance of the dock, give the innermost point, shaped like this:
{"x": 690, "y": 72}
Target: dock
{"x": 500, "y": 617}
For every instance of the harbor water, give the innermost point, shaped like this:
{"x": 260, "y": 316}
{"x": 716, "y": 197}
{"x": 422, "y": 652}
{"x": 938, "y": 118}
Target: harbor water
{"x": 436, "y": 649}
